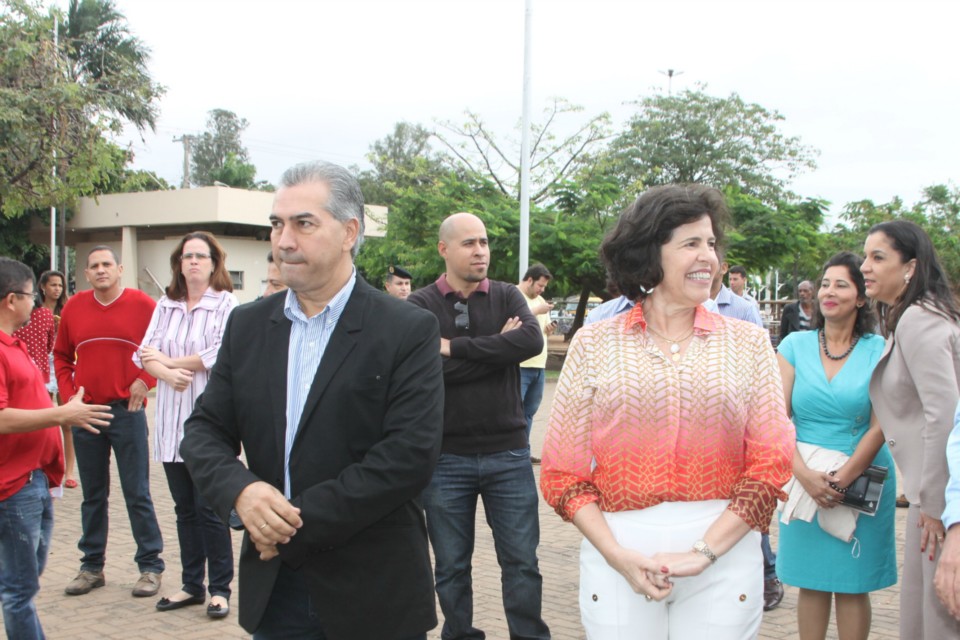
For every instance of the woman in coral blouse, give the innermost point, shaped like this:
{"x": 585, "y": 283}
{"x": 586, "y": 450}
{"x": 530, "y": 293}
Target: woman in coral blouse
{"x": 668, "y": 441}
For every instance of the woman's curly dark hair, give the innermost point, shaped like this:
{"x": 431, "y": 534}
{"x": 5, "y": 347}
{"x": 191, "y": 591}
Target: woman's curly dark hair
{"x": 631, "y": 251}
{"x": 866, "y": 321}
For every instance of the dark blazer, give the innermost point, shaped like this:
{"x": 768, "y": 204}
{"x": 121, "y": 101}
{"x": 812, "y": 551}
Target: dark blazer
{"x": 366, "y": 446}
{"x": 790, "y": 320}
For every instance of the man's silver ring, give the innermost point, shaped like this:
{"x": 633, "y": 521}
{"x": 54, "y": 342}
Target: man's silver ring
{"x": 264, "y": 526}
{"x": 829, "y": 498}
{"x": 648, "y": 597}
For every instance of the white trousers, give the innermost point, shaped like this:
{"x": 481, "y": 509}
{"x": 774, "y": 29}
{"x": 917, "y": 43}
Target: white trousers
{"x": 725, "y": 602}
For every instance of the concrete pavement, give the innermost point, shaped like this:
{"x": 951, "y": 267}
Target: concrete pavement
{"x": 111, "y": 612}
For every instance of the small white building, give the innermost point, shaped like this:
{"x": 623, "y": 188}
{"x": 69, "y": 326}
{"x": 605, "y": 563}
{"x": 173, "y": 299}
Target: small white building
{"x": 143, "y": 228}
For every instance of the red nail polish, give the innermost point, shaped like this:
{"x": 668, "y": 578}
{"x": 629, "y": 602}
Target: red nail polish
{"x": 664, "y": 570}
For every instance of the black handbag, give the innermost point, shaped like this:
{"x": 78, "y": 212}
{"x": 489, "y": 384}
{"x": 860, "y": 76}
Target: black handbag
{"x": 863, "y": 494}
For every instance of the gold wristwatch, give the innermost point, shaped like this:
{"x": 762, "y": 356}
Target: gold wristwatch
{"x": 701, "y": 547}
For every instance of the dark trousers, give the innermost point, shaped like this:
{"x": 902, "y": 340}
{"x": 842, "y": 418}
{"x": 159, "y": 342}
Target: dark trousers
{"x": 290, "y": 614}
{"x": 204, "y": 539}
{"x": 127, "y": 438}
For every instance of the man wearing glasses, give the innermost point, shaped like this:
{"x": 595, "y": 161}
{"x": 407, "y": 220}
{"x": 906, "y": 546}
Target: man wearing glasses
{"x": 486, "y": 330}
{"x": 31, "y": 456}
{"x": 100, "y": 329}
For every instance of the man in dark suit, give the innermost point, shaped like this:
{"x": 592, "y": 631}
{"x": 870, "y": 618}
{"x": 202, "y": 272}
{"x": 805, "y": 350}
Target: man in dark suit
{"x": 335, "y": 393}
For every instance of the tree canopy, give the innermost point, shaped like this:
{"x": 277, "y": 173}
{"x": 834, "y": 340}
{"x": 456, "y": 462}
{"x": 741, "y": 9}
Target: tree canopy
{"x": 692, "y": 137}
{"x": 219, "y": 154}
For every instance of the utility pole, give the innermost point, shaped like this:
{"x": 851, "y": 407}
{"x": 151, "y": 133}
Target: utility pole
{"x": 525, "y": 143}
{"x": 187, "y": 141}
{"x": 53, "y": 209}
{"x": 670, "y": 73}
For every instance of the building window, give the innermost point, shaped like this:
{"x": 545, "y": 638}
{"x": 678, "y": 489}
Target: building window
{"x": 237, "y": 278}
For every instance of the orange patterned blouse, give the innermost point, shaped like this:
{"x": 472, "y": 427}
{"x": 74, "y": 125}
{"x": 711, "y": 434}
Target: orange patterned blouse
{"x": 630, "y": 429}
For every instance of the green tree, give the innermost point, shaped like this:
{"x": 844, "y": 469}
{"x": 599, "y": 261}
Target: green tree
{"x": 402, "y": 158}
{"x": 105, "y": 56}
{"x": 693, "y": 137}
{"x": 219, "y": 154}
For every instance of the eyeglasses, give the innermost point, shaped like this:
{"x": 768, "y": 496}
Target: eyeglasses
{"x": 198, "y": 256}
{"x": 462, "y": 321}
{"x": 21, "y": 293}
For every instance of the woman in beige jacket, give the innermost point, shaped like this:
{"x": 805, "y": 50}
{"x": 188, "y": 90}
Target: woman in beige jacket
{"x": 914, "y": 390}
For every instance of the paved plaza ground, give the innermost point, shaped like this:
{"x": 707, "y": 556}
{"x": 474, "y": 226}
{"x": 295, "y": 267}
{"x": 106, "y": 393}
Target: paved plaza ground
{"x": 111, "y": 612}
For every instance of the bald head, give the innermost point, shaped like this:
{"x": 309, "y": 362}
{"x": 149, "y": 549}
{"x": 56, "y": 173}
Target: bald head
{"x": 464, "y": 247}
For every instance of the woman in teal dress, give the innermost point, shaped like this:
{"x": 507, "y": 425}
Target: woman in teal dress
{"x": 826, "y": 374}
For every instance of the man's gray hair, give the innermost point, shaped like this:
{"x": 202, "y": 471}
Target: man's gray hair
{"x": 346, "y": 200}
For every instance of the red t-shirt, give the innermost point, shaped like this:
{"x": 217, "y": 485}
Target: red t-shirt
{"x": 22, "y": 387}
{"x": 39, "y": 335}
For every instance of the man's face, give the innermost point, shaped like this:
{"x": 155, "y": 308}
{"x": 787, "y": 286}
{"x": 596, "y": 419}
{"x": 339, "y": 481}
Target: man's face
{"x": 465, "y": 250}
{"x": 309, "y": 244}
{"x": 805, "y": 291}
{"x": 398, "y": 287}
{"x": 103, "y": 272}
{"x": 533, "y": 288}
{"x": 274, "y": 283}
{"x": 23, "y": 301}
{"x": 737, "y": 283}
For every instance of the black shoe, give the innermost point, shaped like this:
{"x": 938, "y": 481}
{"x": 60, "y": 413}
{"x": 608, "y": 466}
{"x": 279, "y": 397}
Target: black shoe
{"x": 534, "y": 460}
{"x": 902, "y": 502}
{"x": 166, "y": 604}
{"x": 772, "y": 593}
{"x": 217, "y": 611}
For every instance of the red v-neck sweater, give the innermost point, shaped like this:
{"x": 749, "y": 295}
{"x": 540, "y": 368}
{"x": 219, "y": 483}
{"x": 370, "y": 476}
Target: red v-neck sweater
{"x": 96, "y": 342}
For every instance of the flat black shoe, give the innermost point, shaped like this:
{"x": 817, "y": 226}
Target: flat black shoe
{"x": 217, "y": 611}
{"x": 166, "y": 604}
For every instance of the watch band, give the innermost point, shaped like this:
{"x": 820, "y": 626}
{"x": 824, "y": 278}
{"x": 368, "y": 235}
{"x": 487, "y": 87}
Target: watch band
{"x": 701, "y": 547}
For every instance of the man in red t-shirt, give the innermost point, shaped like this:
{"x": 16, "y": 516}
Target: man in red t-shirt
{"x": 99, "y": 332}
{"x": 31, "y": 456}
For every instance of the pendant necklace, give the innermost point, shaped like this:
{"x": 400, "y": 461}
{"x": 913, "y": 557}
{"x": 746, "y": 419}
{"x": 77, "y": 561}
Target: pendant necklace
{"x": 826, "y": 352}
{"x": 674, "y": 344}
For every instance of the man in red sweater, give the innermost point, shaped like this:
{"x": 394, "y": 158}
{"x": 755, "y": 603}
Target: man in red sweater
{"x": 99, "y": 331}
{"x": 31, "y": 456}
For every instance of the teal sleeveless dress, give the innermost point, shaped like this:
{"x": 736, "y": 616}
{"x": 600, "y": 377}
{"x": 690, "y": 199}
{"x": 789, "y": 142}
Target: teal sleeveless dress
{"x": 836, "y": 414}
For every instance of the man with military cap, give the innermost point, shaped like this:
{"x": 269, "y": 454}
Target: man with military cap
{"x": 397, "y": 282}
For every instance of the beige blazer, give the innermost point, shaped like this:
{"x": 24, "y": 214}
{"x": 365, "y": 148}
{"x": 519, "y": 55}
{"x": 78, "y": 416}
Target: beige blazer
{"x": 914, "y": 391}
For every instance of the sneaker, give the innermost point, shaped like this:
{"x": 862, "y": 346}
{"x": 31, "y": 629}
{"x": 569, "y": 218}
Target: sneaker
{"x": 772, "y": 593}
{"x": 534, "y": 460}
{"x": 85, "y": 582}
{"x": 148, "y": 585}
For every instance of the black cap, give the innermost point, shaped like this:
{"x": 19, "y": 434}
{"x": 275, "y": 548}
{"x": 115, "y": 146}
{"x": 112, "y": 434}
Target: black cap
{"x": 400, "y": 273}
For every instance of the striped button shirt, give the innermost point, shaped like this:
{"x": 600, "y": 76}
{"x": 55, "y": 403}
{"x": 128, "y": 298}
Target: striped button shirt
{"x": 179, "y": 333}
{"x": 308, "y": 340}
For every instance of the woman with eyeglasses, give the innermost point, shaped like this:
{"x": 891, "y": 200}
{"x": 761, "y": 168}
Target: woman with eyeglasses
{"x": 179, "y": 349}
{"x": 668, "y": 442}
{"x": 914, "y": 389}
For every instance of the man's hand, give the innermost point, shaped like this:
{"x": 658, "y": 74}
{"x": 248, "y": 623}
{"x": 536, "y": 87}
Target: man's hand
{"x": 511, "y": 324}
{"x": 87, "y": 416}
{"x": 179, "y": 379}
{"x": 138, "y": 395}
{"x": 152, "y": 354}
{"x": 542, "y": 308}
{"x": 947, "y": 578}
{"x": 268, "y": 517}
{"x": 445, "y": 347}
{"x": 551, "y": 328}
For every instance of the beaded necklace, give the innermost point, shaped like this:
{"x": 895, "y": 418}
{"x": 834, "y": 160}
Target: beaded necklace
{"x": 826, "y": 352}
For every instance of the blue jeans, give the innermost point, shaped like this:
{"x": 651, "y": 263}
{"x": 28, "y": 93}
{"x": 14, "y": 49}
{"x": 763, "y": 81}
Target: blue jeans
{"x": 531, "y": 394}
{"x": 290, "y": 614}
{"x": 769, "y": 558}
{"x": 127, "y": 436}
{"x": 26, "y": 524}
{"x": 505, "y": 482}
{"x": 204, "y": 539}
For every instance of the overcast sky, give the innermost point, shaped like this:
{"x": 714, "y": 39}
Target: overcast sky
{"x": 874, "y": 86}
